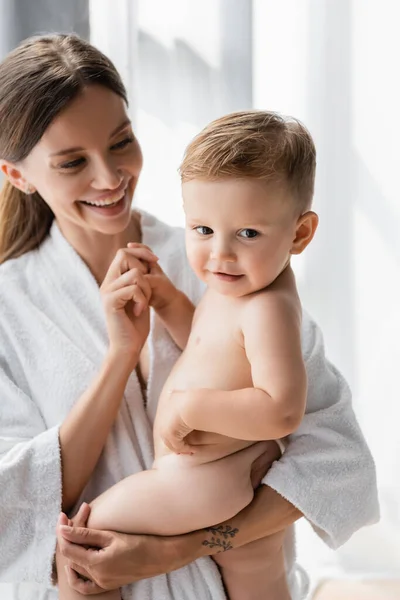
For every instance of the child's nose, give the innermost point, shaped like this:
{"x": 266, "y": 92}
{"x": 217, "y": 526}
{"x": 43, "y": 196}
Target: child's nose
{"x": 222, "y": 253}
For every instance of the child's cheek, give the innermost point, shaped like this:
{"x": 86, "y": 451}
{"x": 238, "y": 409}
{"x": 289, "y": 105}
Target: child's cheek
{"x": 198, "y": 261}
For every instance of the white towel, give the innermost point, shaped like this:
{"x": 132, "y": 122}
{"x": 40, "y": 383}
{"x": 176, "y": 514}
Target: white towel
{"x": 53, "y": 339}
{"x": 327, "y": 470}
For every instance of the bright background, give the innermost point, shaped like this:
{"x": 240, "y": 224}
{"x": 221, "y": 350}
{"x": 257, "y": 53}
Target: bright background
{"x": 334, "y": 65}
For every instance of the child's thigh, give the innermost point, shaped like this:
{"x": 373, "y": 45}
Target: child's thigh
{"x": 177, "y": 496}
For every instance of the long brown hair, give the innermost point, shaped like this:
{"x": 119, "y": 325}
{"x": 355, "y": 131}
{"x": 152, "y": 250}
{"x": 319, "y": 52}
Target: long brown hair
{"x": 37, "y": 81}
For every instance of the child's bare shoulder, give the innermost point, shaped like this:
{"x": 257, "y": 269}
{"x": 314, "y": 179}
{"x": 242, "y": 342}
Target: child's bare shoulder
{"x": 279, "y": 300}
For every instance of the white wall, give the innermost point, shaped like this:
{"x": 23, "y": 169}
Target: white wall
{"x": 194, "y": 65}
{"x": 334, "y": 64}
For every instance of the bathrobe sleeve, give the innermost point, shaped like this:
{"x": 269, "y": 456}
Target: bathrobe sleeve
{"x": 327, "y": 470}
{"x": 30, "y": 487}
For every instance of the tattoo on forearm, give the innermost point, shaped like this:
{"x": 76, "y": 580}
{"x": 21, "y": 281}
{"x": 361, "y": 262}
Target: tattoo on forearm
{"x": 220, "y": 537}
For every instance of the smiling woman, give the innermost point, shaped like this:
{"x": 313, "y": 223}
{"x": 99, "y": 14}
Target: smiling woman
{"x": 86, "y": 166}
{"x": 96, "y": 174}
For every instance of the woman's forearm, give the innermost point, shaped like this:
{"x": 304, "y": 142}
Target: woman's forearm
{"x": 267, "y": 514}
{"x": 123, "y": 558}
{"x": 84, "y": 431}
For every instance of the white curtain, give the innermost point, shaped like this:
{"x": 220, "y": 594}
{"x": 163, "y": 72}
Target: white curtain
{"x": 20, "y": 19}
{"x": 334, "y": 64}
{"x": 185, "y": 63}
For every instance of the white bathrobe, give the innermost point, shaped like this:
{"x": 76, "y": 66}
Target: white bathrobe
{"x": 52, "y": 342}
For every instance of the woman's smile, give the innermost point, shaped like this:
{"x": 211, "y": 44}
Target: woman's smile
{"x": 111, "y": 204}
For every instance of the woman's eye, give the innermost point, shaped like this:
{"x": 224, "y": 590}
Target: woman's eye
{"x": 72, "y": 164}
{"x": 203, "y": 230}
{"x": 248, "y": 233}
{"x": 123, "y": 143}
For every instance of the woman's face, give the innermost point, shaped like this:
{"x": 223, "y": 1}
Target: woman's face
{"x": 87, "y": 164}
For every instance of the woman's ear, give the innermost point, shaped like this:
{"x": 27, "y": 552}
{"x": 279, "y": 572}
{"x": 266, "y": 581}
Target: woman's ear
{"x": 15, "y": 177}
{"x": 305, "y": 230}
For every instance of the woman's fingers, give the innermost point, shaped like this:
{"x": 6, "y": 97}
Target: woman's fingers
{"x": 95, "y": 538}
{"x": 117, "y": 300}
{"x": 131, "y": 277}
{"x": 263, "y": 463}
{"x": 81, "y": 571}
{"x": 142, "y": 253}
{"x": 81, "y": 517}
{"x": 62, "y": 520}
{"x": 137, "y": 246}
{"x": 130, "y": 286}
{"x": 140, "y": 302}
{"x": 128, "y": 258}
{"x": 125, "y": 279}
{"x": 84, "y": 586}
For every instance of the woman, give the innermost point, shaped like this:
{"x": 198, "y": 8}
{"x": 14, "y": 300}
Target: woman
{"x": 70, "y": 366}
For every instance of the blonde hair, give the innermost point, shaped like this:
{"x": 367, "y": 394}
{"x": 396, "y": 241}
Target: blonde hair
{"x": 255, "y": 144}
{"x": 37, "y": 81}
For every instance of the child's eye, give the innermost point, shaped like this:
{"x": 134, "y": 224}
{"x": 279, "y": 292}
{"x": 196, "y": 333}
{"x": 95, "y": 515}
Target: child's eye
{"x": 248, "y": 233}
{"x": 203, "y": 230}
{"x": 123, "y": 143}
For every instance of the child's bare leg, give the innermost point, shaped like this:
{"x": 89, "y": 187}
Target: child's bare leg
{"x": 152, "y": 502}
{"x": 255, "y": 571}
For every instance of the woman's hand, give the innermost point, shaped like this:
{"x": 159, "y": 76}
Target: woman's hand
{"x": 108, "y": 560}
{"x": 163, "y": 291}
{"x": 126, "y": 294}
{"x": 172, "y": 306}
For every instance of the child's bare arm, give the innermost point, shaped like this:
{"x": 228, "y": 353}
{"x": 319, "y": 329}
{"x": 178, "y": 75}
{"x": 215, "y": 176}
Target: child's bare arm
{"x": 274, "y": 407}
{"x": 172, "y": 306}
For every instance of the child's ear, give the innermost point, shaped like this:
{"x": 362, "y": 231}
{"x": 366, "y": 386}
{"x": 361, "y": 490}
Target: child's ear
{"x": 305, "y": 229}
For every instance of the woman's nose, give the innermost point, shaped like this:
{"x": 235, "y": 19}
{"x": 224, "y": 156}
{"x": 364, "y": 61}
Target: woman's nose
{"x": 107, "y": 176}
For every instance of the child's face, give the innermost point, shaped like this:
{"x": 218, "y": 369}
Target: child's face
{"x": 239, "y": 233}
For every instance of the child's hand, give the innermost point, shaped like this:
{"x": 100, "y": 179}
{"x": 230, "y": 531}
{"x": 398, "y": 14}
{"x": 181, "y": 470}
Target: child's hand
{"x": 163, "y": 291}
{"x": 172, "y": 306}
{"x": 173, "y": 429}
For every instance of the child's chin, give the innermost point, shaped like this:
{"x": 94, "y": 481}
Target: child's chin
{"x": 228, "y": 290}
